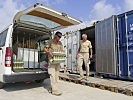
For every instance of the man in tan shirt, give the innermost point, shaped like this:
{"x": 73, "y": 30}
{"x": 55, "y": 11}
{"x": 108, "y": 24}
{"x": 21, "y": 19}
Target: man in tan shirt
{"x": 83, "y": 55}
{"x": 54, "y": 46}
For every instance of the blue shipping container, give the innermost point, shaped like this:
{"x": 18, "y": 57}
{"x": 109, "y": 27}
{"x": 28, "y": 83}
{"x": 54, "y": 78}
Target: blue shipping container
{"x": 125, "y": 34}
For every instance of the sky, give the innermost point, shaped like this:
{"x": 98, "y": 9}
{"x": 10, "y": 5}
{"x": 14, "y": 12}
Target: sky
{"x": 84, "y": 10}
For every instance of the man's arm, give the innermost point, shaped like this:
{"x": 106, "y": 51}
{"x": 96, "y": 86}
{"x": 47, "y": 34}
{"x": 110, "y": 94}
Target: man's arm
{"x": 90, "y": 46}
{"x": 90, "y": 52}
{"x": 61, "y": 47}
{"x": 46, "y": 49}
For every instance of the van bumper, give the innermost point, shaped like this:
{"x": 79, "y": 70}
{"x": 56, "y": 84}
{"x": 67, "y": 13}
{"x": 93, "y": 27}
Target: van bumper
{"x": 25, "y": 77}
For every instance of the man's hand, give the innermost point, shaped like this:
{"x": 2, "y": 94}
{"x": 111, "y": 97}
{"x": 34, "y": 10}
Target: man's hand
{"x": 90, "y": 56}
{"x": 76, "y": 56}
{"x": 50, "y": 54}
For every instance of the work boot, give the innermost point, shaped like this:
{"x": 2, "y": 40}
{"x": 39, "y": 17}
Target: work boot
{"x": 87, "y": 78}
{"x": 56, "y": 92}
{"x": 80, "y": 78}
{"x": 50, "y": 90}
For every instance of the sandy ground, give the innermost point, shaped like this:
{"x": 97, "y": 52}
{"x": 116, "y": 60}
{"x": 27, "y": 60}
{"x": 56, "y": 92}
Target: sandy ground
{"x": 71, "y": 91}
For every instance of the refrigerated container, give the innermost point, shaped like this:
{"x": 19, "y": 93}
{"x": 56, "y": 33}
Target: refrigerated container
{"x": 72, "y": 36}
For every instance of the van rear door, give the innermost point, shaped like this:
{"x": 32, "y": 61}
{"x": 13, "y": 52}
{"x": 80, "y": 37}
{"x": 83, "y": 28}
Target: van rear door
{"x": 51, "y": 18}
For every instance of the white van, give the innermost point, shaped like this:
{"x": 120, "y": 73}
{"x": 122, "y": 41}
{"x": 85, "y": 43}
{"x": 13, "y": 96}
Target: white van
{"x": 21, "y": 44}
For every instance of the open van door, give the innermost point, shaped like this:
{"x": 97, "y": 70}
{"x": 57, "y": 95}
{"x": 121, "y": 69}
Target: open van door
{"x": 46, "y": 16}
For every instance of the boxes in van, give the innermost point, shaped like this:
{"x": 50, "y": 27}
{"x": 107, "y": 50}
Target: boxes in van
{"x": 21, "y": 43}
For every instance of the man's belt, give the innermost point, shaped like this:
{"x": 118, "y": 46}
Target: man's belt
{"x": 83, "y": 52}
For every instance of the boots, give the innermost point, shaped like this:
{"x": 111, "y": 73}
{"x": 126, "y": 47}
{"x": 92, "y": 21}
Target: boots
{"x": 87, "y": 78}
{"x": 80, "y": 78}
{"x": 56, "y": 92}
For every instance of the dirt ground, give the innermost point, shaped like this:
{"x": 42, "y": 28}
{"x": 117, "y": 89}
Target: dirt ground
{"x": 71, "y": 91}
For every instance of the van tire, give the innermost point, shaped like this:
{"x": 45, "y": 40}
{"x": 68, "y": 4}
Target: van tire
{"x": 39, "y": 81}
{"x": 1, "y": 85}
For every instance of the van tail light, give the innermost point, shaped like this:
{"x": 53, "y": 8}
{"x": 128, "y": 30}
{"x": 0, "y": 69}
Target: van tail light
{"x": 8, "y": 57}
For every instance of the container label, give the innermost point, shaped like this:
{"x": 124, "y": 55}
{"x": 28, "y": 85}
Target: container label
{"x": 131, "y": 27}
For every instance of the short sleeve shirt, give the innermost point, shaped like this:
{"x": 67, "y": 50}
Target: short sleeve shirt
{"x": 84, "y": 46}
{"x": 55, "y": 47}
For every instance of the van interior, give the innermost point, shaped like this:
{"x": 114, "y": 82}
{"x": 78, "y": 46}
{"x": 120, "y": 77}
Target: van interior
{"x": 27, "y": 48}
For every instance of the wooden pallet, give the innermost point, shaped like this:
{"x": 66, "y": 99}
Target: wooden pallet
{"x": 117, "y": 86}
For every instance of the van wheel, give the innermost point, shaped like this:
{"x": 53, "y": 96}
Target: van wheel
{"x": 1, "y": 85}
{"x": 39, "y": 81}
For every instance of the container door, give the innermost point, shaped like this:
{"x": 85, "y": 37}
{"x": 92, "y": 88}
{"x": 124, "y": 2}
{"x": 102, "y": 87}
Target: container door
{"x": 105, "y": 37}
{"x": 130, "y": 43}
{"x": 72, "y": 47}
{"x": 122, "y": 46}
{"x": 69, "y": 52}
{"x": 75, "y": 45}
{"x": 125, "y": 26}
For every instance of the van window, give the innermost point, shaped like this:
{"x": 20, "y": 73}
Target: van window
{"x": 3, "y": 37}
{"x": 39, "y": 20}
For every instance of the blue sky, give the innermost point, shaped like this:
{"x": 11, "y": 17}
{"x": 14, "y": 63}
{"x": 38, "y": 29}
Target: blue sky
{"x": 85, "y": 10}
